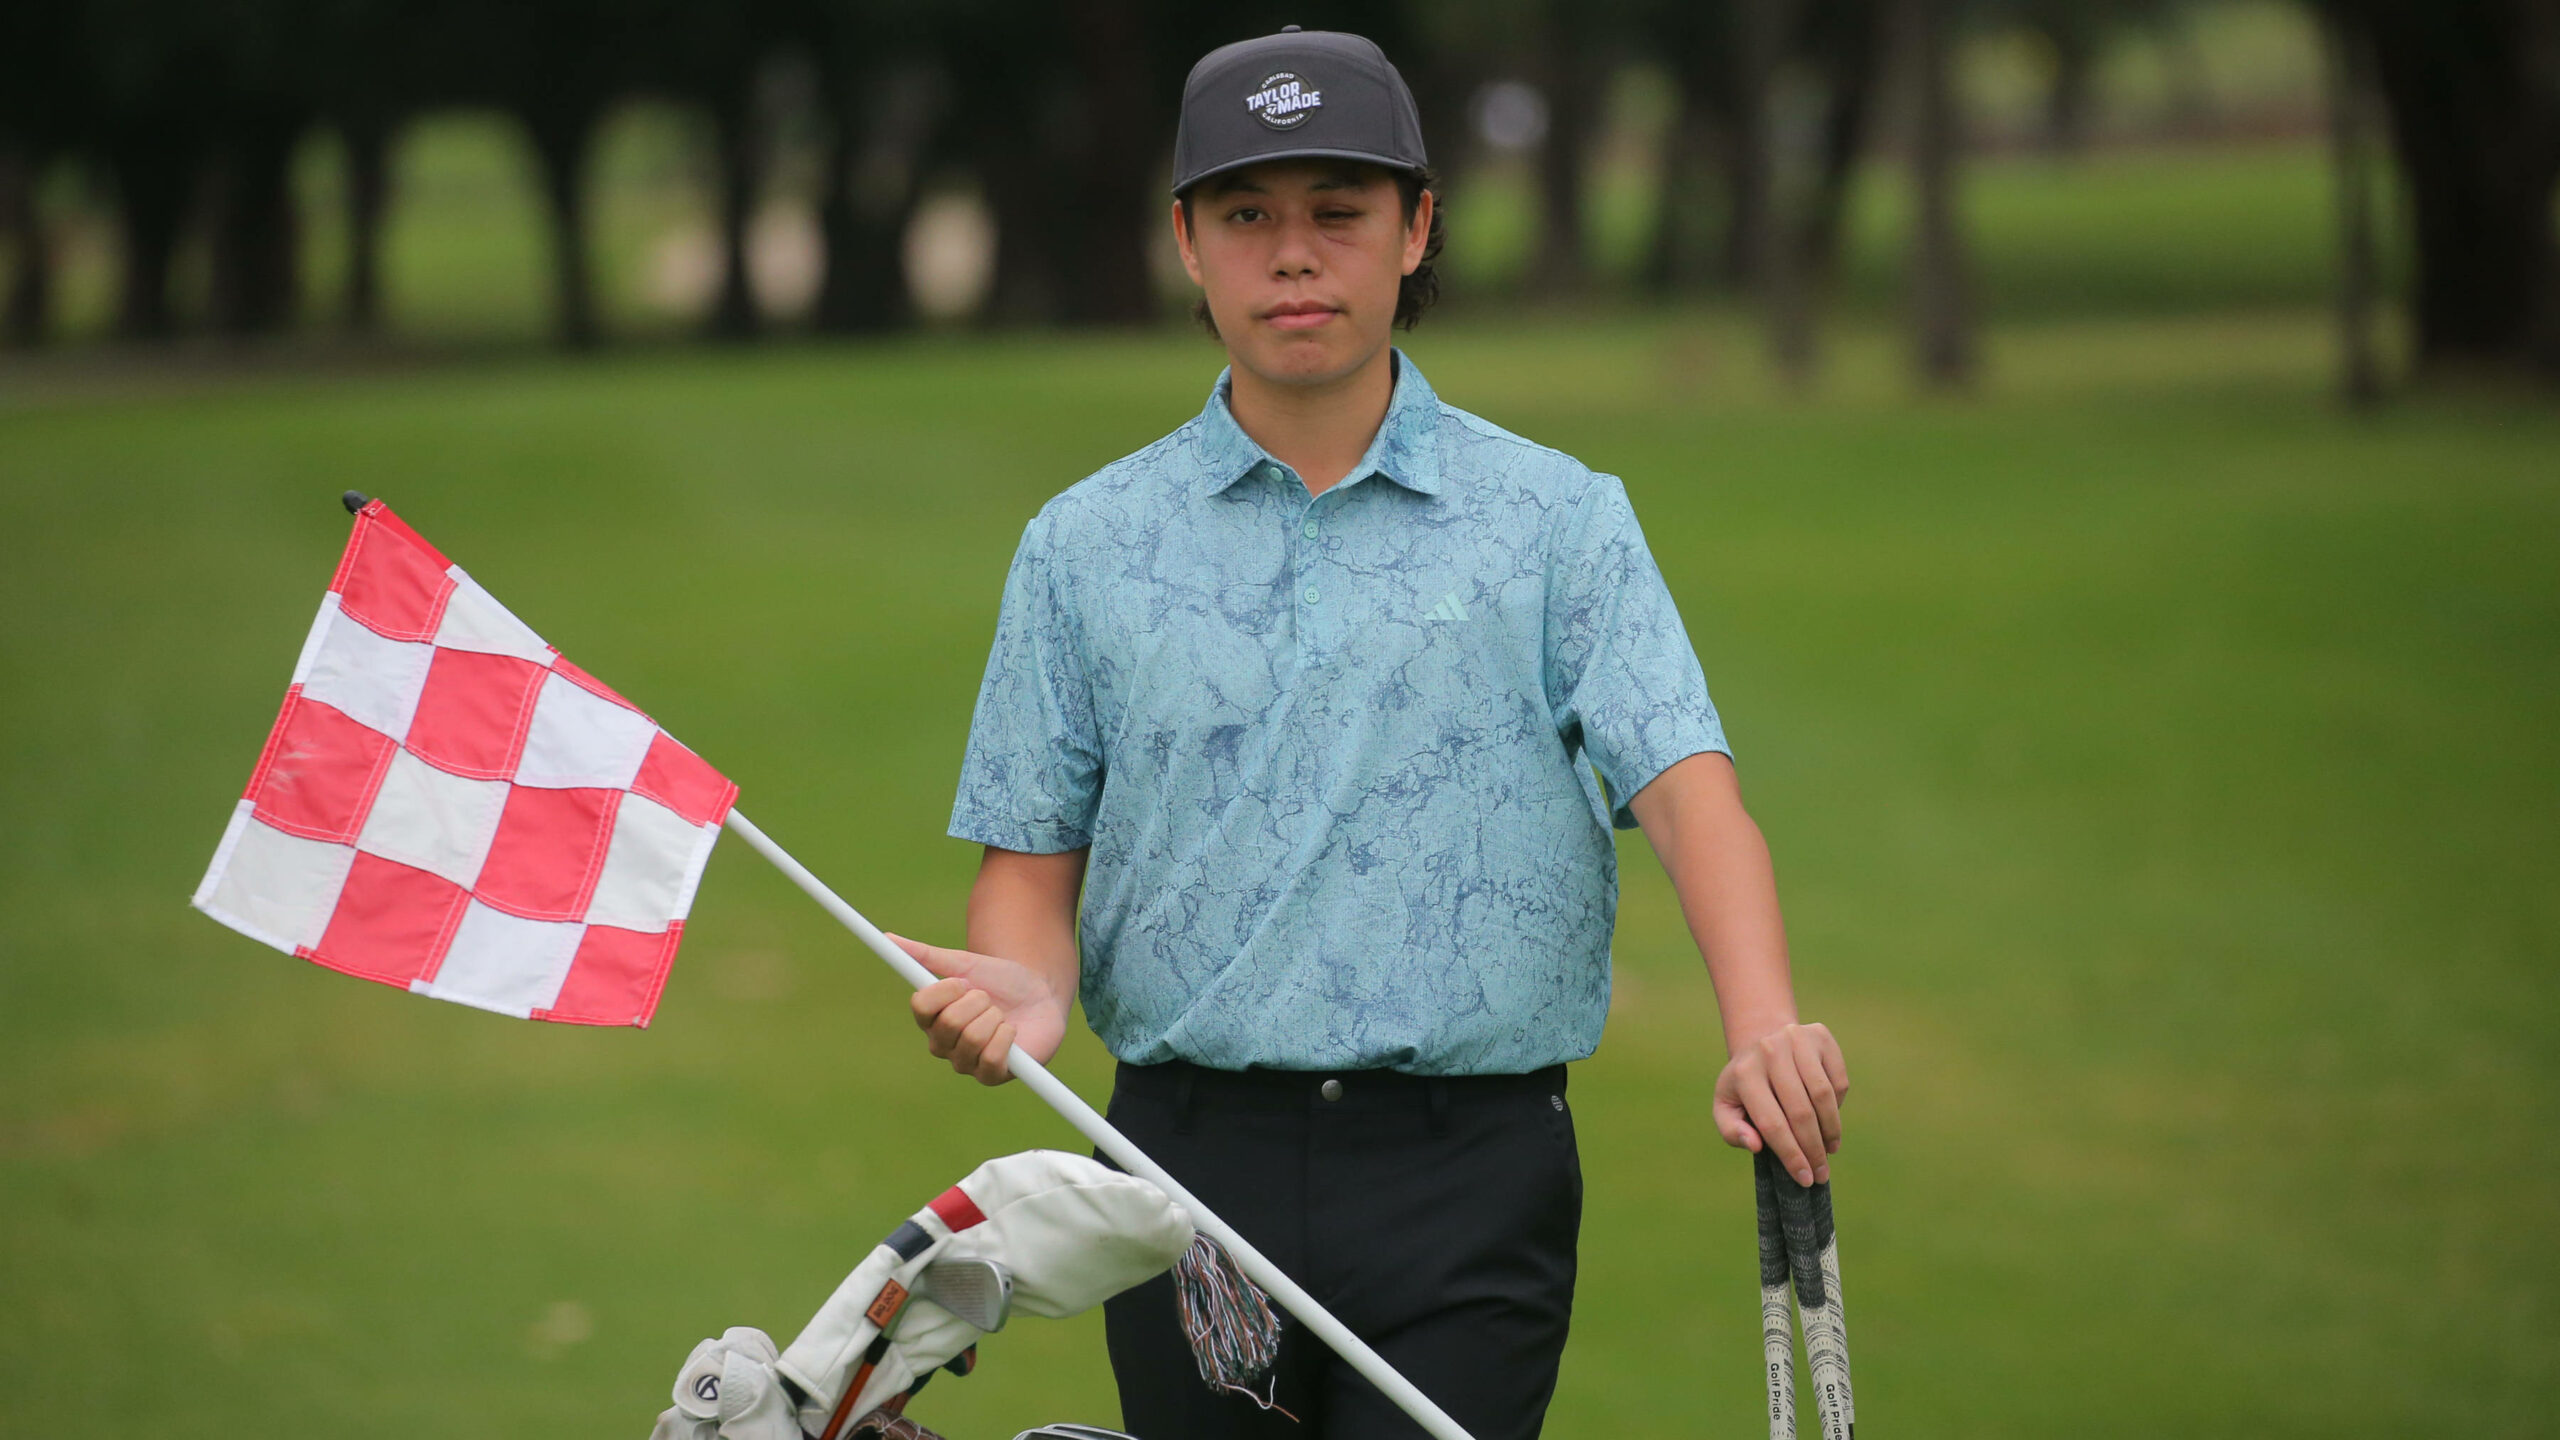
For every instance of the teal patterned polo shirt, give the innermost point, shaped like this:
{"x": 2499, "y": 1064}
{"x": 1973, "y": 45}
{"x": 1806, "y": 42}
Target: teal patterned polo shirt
{"x": 1335, "y": 755}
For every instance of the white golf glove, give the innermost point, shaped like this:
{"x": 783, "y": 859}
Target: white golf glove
{"x": 728, "y": 1391}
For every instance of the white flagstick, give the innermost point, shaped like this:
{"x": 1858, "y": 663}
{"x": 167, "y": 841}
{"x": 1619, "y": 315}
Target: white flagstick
{"x": 1066, "y": 1102}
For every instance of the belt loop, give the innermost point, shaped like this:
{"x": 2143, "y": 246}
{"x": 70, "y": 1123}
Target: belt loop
{"x": 1185, "y": 1087}
{"x": 1435, "y": 1092}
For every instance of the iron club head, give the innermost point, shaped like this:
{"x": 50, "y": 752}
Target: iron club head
{"x": 978, "y": 1291}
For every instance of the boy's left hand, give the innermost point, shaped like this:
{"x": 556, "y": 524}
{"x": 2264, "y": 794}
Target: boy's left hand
{"x": 1784, "y": 1090}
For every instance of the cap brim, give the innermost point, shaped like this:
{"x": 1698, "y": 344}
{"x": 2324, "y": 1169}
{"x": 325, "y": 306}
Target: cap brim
{"x": 1310, "y": 152}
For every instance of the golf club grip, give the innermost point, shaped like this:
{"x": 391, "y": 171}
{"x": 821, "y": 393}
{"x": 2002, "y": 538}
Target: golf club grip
{"x": 1827, "y": 1238}
{"x": 1777, "y": 1331}
{"x": 1035, "y": 1077}
{"x": 1804, "y": 1216}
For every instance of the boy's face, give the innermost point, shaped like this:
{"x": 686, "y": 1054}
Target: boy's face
{"x": 1300, "y": 261}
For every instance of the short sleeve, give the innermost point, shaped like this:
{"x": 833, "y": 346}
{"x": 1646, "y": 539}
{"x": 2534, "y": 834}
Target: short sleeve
{"x": 1622, "y": 679}
{"x": 1032, "y": 776}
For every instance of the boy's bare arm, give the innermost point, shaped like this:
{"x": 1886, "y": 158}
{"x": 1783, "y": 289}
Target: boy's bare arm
{"x": 1017, "y": 980}
{"x": 1784, "y": 1081}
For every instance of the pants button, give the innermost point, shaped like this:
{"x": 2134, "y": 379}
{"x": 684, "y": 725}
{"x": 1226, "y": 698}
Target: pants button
{"x": 1331, "y": 1089}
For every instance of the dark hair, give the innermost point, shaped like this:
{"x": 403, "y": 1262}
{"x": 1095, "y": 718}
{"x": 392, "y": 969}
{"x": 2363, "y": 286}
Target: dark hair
{"x": 1415, "y": 293}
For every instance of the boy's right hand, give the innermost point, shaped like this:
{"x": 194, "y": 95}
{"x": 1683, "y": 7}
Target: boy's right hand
{"x": 982, "y": 1007}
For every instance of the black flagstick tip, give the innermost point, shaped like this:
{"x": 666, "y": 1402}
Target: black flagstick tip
{"x": 354, "y": 501}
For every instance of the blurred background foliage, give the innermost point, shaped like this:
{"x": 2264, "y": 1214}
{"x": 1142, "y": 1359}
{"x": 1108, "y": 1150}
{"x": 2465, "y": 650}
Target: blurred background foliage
{"x": 737, "y": 167}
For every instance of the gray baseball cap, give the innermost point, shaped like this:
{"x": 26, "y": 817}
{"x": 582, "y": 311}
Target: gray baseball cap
{"x": 1300, "y": 92}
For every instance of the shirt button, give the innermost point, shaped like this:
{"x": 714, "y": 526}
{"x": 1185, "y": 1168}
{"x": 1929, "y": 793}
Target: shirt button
{"x": 1311, "y": 594}
{"x": 1311, "y": 529}
{"x": 1331, "y": 1090}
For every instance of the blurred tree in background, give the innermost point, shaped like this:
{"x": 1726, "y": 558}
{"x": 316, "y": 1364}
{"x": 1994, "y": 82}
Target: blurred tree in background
{"x": 2471, "y": 91}
{"x": 2076, "y": 35}
{"x": 184, "y": 122}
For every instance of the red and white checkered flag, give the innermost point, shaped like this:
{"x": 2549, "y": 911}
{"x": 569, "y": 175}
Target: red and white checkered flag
{"x": 447, "y": 804}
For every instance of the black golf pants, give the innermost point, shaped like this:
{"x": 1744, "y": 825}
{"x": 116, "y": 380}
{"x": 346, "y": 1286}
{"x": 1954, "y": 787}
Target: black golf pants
{"x": 1434, "y": 1217}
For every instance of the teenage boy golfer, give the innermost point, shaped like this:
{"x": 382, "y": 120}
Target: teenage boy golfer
{"x": 1306, "y": 698}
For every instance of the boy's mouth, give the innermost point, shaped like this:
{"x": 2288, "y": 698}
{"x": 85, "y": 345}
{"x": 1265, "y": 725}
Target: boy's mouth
{"x": 1299, "y": 314}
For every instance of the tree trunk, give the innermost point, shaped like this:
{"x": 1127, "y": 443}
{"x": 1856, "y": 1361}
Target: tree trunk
{"x": 1775, "y": 264}
{"x": 1574, "y": 86}
{"x": 154, "y": 177}
{"x": 29, "y": 315}
{"x": 256, "y": 234}
{"x": 886, "y": 103}
{"x": 1103, "y": 240}
{"x": 368, "y": 147}
{"x": 2193, "y": 110}
{"x": 1028, "y": 280}
{"x": 741, "y": 168}
{"x": 863, "y": 285}
{"x": 562, "y": 139}
{"x": 1444, "y": 80}
{"x": 2473, "y": 96}
{"x": 863, "y": 288}
{"x": 1853, "y": 52}
{"x": 1689, "y": 152}
{"x": 1942, "y": 307}
{"x": 2349, "y": 72}
{"x": 1747, "y": 165}
{"x": 2066, "y": 98}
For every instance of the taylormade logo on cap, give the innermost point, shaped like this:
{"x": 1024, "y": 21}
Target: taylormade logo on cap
{"x": 1283, "y": 100}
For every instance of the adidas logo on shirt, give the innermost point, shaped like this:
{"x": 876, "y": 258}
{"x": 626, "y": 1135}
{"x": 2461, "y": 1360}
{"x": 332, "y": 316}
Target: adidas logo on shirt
{"x": 1448, "y": 608}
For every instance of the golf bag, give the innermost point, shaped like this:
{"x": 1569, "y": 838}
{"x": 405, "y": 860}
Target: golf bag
{"x": 1060, "y": 1232}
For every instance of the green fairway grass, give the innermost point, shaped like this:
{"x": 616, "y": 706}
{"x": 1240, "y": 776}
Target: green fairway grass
{"x": 2160, "y": 767}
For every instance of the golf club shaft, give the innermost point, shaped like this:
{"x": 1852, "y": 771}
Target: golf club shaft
{"x": 1318, "y": 1320}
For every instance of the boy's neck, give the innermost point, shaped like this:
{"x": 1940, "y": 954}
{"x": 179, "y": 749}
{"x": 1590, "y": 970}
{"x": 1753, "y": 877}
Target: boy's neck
{"x": 1318, "y": 430}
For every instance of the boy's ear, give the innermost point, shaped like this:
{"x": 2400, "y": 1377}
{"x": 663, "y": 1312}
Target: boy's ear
{"x": 1417, "y": 236}
{"x": 1182, "y": 243}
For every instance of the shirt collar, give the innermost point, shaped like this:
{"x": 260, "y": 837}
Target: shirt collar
{"x": 1404, "y": 450}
